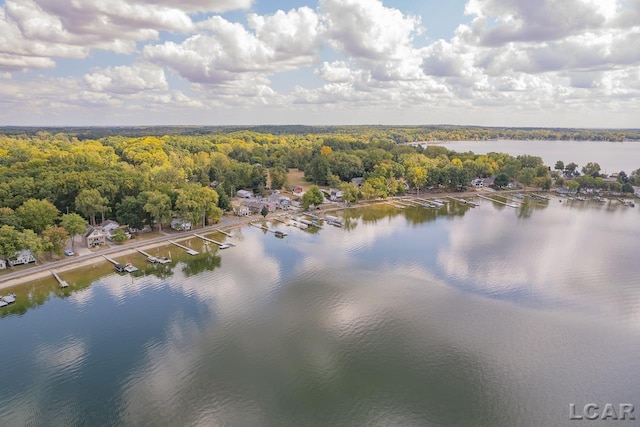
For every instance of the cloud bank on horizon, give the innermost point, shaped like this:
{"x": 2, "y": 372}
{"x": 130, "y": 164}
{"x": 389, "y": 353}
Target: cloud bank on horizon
{"x": 569, "y": 63}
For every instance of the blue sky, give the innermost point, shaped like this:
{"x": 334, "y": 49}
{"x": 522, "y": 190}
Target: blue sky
{"x": 569, "y": 63}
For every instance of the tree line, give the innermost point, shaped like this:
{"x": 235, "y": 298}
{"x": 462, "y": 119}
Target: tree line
{"x": 52, "y": 183}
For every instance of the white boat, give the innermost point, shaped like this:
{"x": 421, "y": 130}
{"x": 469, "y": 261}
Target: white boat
{"x": 225, "y": 246}
{"x": 9, "y": 299}
{"x": 130, "y": 268}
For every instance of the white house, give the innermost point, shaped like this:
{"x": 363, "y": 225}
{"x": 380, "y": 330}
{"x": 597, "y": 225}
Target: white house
{"x": 95, "y": 237}
{"x": 3, "y": 264}
{"x": 22, "y": 257}
{"x": 244, "y": 194}
{"x": 637, "y": 192}
{"x": 335, "y": 195}
{"x": 478, "y": 182}
{"x": 179, "y": 225}
{"x": 242, "y": 211}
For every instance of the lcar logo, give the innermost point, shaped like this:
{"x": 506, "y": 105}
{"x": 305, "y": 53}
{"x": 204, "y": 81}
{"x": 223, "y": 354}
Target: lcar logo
{"x": 607, "y": 412}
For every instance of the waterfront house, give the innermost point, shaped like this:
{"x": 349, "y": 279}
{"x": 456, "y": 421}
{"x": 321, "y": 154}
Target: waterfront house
{"x": 280, "y": 201}
{"x": 297, "y": 190}
{"x": 95, "y": 237}
{"x": 22, "y": 257}
{"x": 3, "y": 264}
{"x": 244, "y": 194}
{"x": 242, "y": 211}
{"x": 335, "y": 195}
{"x": 254, "y": 206}
{"x": 179, "y": 224}
{"x": 478, "y": 182}
{"x": 109, "y": 226}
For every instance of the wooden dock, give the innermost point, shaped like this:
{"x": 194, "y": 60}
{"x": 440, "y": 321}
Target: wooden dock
{"x": 220, "y": 244}
{"x": 224, "y": 232}
{"x": 63, "y": 284}
{"x": 188, "y": 250}
{"x": 154, "y": 260}
{"x": 497, "y": 201}
{"x": 264, "y": 227}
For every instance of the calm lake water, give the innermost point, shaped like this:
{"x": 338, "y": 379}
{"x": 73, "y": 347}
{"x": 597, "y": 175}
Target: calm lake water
{"x": 490, "y": 316}
{"x": 611, "y": 156}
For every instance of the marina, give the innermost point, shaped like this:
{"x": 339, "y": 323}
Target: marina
{"x": 187, "y": 249}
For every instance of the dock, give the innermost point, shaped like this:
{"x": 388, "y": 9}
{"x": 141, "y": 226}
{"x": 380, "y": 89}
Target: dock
{"x": 188, "y": 250}
{"x": 154, "y": 260}
{"x": 63, "y": 284}
{"x": 264, "y": 227}
{"x": 224, "y": 232}
{"x": 497, "y": 201}
{"x": 220, "y": 244}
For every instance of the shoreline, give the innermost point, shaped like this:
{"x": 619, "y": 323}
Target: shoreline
{"x": 42, "y": 271}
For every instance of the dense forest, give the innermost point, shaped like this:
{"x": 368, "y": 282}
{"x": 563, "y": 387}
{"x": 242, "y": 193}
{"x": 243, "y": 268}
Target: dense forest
{"x": 53, "y": 181}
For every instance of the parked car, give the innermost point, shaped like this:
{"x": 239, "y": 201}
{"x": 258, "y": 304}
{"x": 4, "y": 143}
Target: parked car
{"x": 68, "y": 252}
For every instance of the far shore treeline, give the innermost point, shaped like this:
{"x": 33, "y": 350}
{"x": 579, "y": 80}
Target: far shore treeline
{"x": 54, "y": 180}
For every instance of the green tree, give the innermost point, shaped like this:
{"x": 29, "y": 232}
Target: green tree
{"x": 317, "y": 170}
{"x": 264, "y": 211}
{"x": 573, "y": 186}
{"x": 592, "y": 169}
{"x": 278, "y": 176}
{"x": 196, "y": 203}
{"x": 501, "y": 180}
{"x": 627, "y": 188}
{"x": 158, "y": 205}
{"x": 313, "y": 196}
{"x": 526, "y": 175}
{"x": 90, "y": 202}
{"x": 37, "y": 214}
{"x": 571, "y": 170}
{"x": 10, "y": 241}
{"x": 119, "y": 235}
{"x": 130, "y": 212}
{"x": 74, "y": 224}
{"x": 559, "y": 165}
{"x": 30, "y": 240}
{"x": 223, "y": 200}
{"x": 8, "y": 217}
{"x": 350, "y": 192}
{"x": 417, "y": 177}
{"x": 54, "y": 239}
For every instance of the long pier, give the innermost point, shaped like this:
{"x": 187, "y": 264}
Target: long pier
{"x": 111, "y": 260}
{"x": 63, "y": 284}
{"x": 188, "y": 250}
{"x": 220, "y": 244}
{"x": 497, "y": 201}
{"x": 223, "y": 232}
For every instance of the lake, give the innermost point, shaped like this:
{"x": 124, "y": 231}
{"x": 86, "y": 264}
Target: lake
{"x": 611, "y": 156}
{"x": 488, "y": 316}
